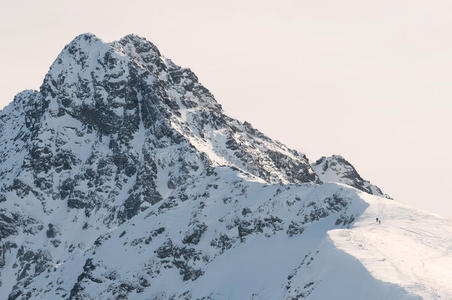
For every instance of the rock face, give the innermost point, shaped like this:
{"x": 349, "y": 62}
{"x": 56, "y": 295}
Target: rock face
{"x": 122, "y": 178}
{"x": 336, "y": 169}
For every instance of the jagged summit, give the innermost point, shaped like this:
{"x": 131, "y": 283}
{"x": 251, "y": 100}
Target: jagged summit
{"x": 117, "y": 119}
{"x": 85, "y": 36}
{"x": 122, "y": 178}
{"x": 139, "y": 42}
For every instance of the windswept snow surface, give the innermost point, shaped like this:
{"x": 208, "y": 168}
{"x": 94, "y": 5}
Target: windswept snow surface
{"x": 410, "y": 248}
{"x": 122, "y": 178}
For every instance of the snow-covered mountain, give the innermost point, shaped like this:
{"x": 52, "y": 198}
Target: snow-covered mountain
{"x": 122, "y": 178}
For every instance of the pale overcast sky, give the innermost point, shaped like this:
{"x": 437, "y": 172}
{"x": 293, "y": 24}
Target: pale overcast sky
{"x": 370, "y": 80}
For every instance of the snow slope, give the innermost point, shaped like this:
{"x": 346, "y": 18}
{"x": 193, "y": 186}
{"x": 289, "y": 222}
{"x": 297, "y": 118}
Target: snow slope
{"x": 410, "y": 248}
{"x": 122, "y": 178}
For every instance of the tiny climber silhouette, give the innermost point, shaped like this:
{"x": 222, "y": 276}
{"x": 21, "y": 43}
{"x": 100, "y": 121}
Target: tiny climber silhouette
{"x": 376, "y": 220}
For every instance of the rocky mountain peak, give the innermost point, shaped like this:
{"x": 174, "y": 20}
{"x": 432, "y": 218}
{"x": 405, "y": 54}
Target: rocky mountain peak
{"x": 134, "y": 44}
{"x": 336, "y": 168}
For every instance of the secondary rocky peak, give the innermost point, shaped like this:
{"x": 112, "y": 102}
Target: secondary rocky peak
{"x": 335, "y": 168}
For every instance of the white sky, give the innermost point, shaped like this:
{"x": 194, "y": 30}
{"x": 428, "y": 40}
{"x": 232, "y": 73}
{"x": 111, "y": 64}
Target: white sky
{"x": 370, "y": 80}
